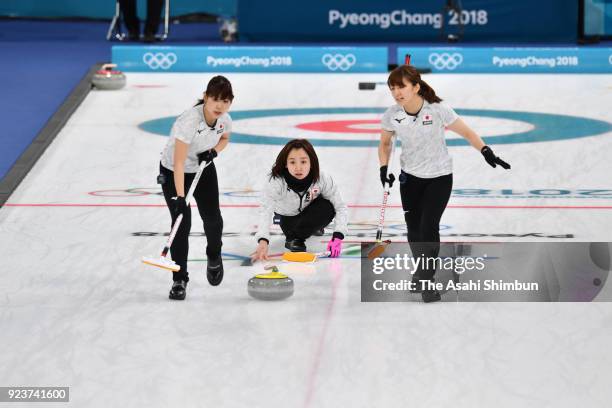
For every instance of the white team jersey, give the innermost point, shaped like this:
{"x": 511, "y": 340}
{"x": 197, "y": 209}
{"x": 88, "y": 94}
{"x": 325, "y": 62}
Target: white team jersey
{"x": 191, "y": 128}
{"x": 424, "y": 153}
{"x": 278, "y": 198}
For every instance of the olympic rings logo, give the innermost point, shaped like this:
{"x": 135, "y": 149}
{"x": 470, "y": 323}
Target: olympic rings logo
{"x": 610, "y": 59}
{"x": 159, "y": 60}
{"x": 445, "y": 60}
{"x": 336, "y": 62}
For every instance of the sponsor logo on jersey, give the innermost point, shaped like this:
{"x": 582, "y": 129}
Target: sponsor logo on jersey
{"x": 311, "y": 194}
{"x": 201, "y": 127}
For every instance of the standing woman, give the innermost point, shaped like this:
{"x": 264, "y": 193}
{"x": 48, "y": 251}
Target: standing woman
{"x": 306, "y": 200}
{"x": 198, "y": 134}
{"x": 418, "y": 120}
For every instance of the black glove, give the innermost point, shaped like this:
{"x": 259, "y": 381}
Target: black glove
{"x": 207, "y": 156}
{"x": 492, "y": 159}
{"x": 383, "y": 177}
{"x": 179, "y": 206}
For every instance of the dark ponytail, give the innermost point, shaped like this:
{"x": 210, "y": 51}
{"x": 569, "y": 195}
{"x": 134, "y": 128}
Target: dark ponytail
{"x": 408, "y": 72}
{"x": 428, "y": 93}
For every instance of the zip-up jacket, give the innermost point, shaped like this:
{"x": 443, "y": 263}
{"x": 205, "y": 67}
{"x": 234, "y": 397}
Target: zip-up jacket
{"x": 278, "y": 198}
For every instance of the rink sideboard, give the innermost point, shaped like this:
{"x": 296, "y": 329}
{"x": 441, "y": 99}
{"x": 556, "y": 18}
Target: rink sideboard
{"x": 353, "y": 59}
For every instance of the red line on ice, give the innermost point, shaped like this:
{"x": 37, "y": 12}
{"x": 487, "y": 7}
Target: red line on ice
{"x": 336, "y": 270}
{"x": 499, "y": 207}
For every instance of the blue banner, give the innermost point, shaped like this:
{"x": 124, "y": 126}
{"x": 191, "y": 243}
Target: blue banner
{"x": 401, "y": 20}
{"x": 249, "y": 59}
{"x": 510, "y": 60}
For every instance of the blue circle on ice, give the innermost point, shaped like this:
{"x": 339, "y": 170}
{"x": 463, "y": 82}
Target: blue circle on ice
{"x": 546, "y": 126}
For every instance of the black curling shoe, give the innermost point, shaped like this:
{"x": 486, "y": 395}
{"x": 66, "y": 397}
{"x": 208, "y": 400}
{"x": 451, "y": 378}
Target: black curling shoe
{"x": 179, "y": 290}
{"x": 214, "y": 271}
{"x": 431, "y": 296}
{"x": 296, "y": 245}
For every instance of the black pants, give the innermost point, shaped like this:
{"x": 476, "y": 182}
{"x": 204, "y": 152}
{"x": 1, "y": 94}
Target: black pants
{"x": 424, "y": 201}
{"x": 206, "y": 196}
{"x": 128, "y": 9}
{"x": 314, "y": 217}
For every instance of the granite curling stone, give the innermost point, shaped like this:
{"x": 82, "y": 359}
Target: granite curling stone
{"x": 270, "y": 286}
{"x": 108, "y": 78}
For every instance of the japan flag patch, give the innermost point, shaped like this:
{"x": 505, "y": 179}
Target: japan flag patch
{"x": 427, "y": 119}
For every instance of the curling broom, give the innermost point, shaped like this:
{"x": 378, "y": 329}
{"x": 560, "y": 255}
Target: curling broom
{"x": 380, "y": 245}
{"x": 163, "y": 261}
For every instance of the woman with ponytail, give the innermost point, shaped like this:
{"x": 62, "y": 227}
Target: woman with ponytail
{"x": 418, "y": 120}
{"x": 198, "y": 134}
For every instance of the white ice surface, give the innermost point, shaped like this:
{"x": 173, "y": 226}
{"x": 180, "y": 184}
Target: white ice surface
{"x": 78, "y": 309}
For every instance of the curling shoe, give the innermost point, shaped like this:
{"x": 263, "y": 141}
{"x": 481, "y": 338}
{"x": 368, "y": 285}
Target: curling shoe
{"x": 214, "y": 270}
{"x": 431, "y": 296}
{"x": 179, "y": 290}
{"x": 295, "y": 245}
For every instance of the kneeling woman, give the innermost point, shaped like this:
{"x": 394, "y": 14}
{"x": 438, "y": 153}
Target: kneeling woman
{"x": 305, "y": 199}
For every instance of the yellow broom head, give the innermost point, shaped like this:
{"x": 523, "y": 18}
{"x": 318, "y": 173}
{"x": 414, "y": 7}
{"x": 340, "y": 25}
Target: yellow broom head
{"x": 299, "y": 257}
{"x": 378, "y": 250}
{"x": 161, "y": 262}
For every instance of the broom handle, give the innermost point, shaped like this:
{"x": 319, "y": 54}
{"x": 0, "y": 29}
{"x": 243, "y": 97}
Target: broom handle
{"x": 179, "y": 219}
{"x": 383, "y": 207}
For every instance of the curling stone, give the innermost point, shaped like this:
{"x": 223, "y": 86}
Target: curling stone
{"x": 270, "y": 286}
{"x": 108, "y": 78}
{"x": 367, "y": 86}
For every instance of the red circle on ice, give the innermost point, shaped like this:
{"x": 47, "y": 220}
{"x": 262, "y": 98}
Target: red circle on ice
{"x": 341, "y": 126}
